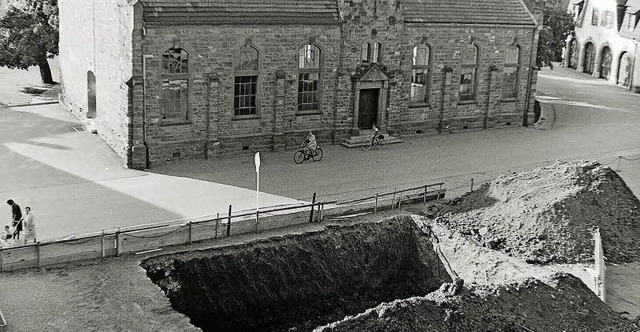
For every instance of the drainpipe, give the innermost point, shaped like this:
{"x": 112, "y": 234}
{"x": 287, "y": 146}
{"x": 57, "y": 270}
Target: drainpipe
{"x": 144, "y": 99}
{"x": 208, "y": 118}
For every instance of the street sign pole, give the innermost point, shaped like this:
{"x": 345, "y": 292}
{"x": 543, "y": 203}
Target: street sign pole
{"x": 256, "y": 160}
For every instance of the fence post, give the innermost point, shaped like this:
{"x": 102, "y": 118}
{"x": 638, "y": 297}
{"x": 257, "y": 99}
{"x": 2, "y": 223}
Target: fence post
{"x": 257, "y": 219}
{"x": 190, "y": 228}
{"x": 215, "y": 236}
{"x": 321, "y": 207}
{"x": 393, "y": 199}
{"x": 424, "y": 199}
{"x": 313, "y": 203}
{"x": 229, "y": 223}
{"x": 102, "y": 244}
{"x": 1, "y": 263}
{"x": 38, "y": 253}
{"x": 118, "y": 242}
{"x": 619, "y": 159}
{"x": 471, "y": 184}
{"x": 375, "y": 204}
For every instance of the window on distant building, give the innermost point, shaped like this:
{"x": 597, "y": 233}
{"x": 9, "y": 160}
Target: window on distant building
{"x": 371, "y": 52}
{"x": 420, "y": 74}
{"x": 174, "y": 103}
{"x": 511, "y": 70}
{"x": 469, "y": 72}
{"x": 309, "y": 69}
{"x": 594, "y": 17}
{"x": 607, "y": 19}
{"x": 245, "y": 87}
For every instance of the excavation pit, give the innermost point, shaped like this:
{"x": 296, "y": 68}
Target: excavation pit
{"x": 300, "y": 281}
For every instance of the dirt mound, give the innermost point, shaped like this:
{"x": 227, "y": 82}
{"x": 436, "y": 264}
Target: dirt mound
{"x": 548, "y": 214}
{"x": 564, "y": 305}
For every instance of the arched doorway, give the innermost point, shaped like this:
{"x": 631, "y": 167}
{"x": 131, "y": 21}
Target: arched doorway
{"x": 605, "y": 63}
{"x": 589, "y": 58}
{"x": 573, "y": 54}
{"x": 624, "y": 69}
{"x": 91, "y": 95}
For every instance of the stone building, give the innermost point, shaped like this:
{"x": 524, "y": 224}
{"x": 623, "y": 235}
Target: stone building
{"x": 605, "y": 41}
{"x": 163, "y": 79}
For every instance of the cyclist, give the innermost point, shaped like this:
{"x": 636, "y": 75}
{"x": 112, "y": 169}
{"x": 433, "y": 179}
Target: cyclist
{"x": 376, "y": 133}
{"x": 311, "y": 144}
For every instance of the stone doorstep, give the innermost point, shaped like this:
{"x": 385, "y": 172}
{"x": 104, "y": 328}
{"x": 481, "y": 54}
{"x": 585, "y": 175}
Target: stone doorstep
{"x": 363, "y": 140}
{"x": 90, "y": 125}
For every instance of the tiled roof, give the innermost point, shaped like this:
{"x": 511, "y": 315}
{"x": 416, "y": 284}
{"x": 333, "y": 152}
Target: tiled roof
{"x": 315, "y": 12}
{"x": 509, "y": 12}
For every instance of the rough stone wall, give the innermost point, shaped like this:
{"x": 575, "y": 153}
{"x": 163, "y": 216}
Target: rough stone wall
{"x": 96, "y": 36}
{"x": 301, "y": 280}
{"x": 211, "y": 56}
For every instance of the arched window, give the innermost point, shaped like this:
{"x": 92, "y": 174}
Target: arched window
{"x": 420, "y": 74}
{"x": 245, "y": 89}
{"x": 511, "y": 70}
{"x": 174, "y": 103}
{"x": 469, "y": 72}
{"x": 371, "y": 52}
{"x": 309, "y": 69}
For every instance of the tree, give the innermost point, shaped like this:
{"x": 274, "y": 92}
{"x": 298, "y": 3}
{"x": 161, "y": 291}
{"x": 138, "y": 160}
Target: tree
{"x": 29, "y": 36}
{"x": 557, "y": 25}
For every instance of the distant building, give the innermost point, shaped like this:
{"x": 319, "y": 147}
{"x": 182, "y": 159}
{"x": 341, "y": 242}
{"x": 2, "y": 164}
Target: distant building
{"x": 605, "y": 41}
{"x": 172, "y": 79}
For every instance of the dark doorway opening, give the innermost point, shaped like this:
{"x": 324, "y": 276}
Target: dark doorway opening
{"x": 589, "y": 58}
{"x": 605, "y": 67}
{"x": 624, "y": 69}
{"x": 91, "y": 95}
{"x": 368, "y": 108}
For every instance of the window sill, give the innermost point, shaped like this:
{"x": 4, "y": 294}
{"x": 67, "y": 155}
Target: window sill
{"x": 509, "y": 100}
{"x": 420, "y": 105}
{"x": 467, "y": 102}
{"x": 308, "y": 112}
{"x": 245, "y": 117}
{"x": 169, "y": 123}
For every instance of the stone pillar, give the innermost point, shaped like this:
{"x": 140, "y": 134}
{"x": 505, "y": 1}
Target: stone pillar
{"x": 279, "y": 141}
{"x": 580, "y": 64}
{"x": 615, "y": 65}
{"x": 597, "y": 64}
{"x": 212, "y": 147}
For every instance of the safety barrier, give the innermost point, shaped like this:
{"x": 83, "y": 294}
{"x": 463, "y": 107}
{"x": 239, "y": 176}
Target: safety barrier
{"x": 152, "y": 237}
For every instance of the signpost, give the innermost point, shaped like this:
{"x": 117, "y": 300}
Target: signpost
{"x": 256, "y": 160}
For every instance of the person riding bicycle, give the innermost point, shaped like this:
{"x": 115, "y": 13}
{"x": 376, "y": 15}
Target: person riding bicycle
{"x": 310, "y": 143}
{"x": 376, "y": 133}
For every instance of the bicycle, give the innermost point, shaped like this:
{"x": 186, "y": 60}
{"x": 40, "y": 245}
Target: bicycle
{"x": 305, "y": 153}
{"x": 378, "y": 142}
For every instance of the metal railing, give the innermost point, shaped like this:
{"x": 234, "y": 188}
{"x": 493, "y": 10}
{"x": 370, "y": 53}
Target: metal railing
{"x": 153, "y": 237}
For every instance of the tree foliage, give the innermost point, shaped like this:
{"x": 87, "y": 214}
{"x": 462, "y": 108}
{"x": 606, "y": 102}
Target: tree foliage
{"x": 29, "y": 35}
{"x": 557, "y": 25}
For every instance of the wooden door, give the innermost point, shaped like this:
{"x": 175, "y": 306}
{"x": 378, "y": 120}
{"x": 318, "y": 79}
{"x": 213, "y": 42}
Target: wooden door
{"x": 91, "y": 95}
{"x": 368, "y": 108}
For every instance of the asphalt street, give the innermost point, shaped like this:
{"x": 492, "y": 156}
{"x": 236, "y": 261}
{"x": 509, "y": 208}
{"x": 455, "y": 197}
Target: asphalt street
{"x": 76, "y": 184}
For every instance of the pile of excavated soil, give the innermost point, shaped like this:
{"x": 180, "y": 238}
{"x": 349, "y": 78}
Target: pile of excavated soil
{"x": 565, "y": 304}
{"x": 549, "y": 214}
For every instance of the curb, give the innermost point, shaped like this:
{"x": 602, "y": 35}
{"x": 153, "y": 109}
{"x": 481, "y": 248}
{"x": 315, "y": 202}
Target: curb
{"x": 34, "y": 104}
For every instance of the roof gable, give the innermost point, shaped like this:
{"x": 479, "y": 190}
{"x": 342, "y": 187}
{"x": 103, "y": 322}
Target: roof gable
{"x": 502, "y": 12}
{"x": 218, "y": 12}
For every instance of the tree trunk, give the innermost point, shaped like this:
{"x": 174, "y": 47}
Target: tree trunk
{"x": 45, "y": 71}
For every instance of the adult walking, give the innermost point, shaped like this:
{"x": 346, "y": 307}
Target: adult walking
{"x": 29, "y": 226}
{"x": 16, "y": 213}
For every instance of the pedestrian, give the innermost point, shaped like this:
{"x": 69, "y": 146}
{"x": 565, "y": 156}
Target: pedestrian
{"x": 29, "y": 226}
{"x": 5, "y": 237}
{"x": 16, "y": 213}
